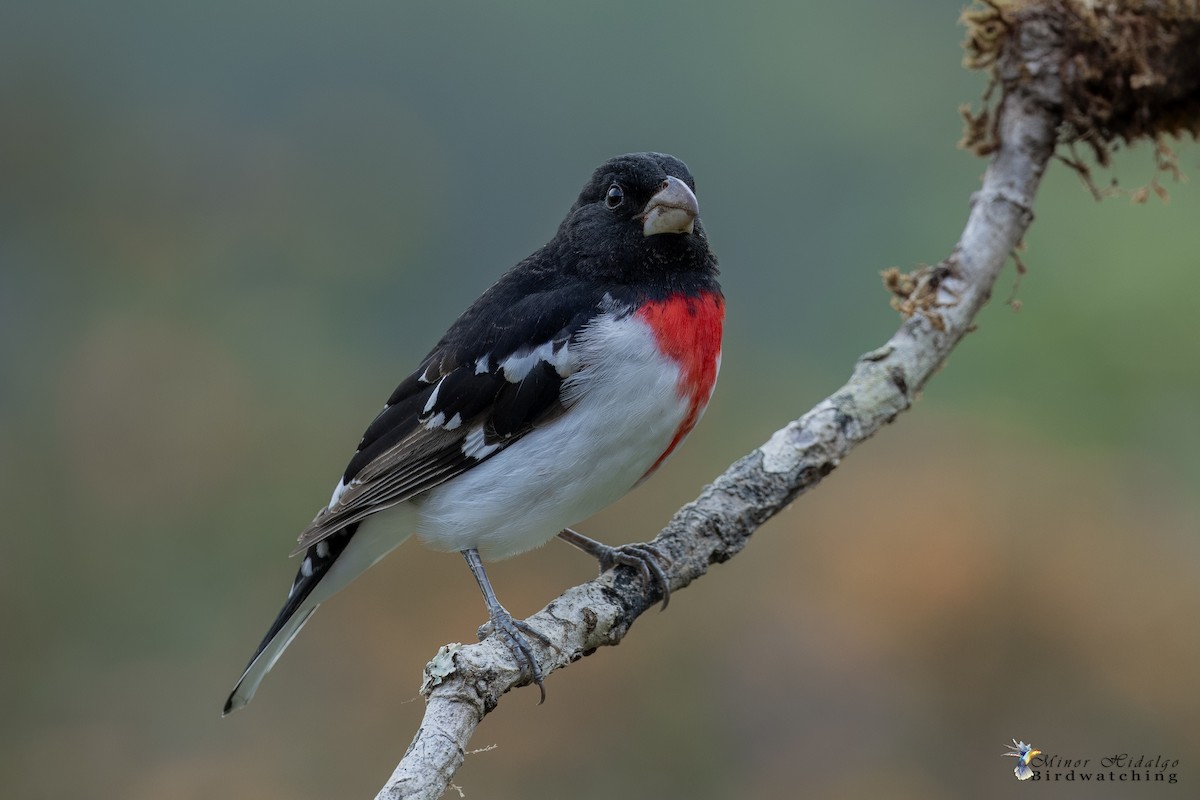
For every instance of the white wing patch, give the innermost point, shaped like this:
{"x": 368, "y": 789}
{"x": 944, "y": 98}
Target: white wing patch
{"x": 338, "y": 491}
{"x": 475, "y": 445}
{"x": 429, "y": 404}
{"x": 565, "y": 361}
{"x": 517, "y": 366}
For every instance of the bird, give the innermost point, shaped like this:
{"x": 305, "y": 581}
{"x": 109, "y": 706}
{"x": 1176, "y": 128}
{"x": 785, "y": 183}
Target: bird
{"x": 567, "y": 383}
{"x": 1024, "y": 753}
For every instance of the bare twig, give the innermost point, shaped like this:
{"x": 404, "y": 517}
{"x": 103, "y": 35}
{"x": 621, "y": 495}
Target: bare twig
{"x": 470, "y": 680}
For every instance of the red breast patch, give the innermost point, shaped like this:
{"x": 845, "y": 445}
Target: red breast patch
{"x": 688, "y": 331}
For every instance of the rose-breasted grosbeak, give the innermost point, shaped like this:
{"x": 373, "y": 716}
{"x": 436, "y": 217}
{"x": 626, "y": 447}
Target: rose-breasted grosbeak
{"x": 568, "y": 382}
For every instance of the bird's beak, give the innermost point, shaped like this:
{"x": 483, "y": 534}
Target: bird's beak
{"x": 673, "y": 209}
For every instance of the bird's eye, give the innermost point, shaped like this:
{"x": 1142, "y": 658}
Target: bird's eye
{"x": 615, "y": 196}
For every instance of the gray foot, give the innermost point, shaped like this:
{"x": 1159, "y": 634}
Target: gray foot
{"x": 647, "y": 559}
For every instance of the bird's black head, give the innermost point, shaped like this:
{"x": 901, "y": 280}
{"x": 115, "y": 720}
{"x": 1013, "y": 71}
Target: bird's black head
{"x": 637, "y": 216}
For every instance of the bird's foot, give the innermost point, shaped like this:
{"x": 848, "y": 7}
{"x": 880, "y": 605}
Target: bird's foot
{"x": 647, "y": 559}
{"x": 512, "y": 632}
{"x": 503, "y": 625}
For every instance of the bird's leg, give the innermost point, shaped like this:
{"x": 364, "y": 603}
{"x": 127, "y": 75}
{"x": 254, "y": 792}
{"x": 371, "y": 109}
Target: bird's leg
{"x": 507, "y": 628}
{"x": 647, "y": 559}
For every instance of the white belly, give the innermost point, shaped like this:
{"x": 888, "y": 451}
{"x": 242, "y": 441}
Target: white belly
{"x": 625, "y": 412}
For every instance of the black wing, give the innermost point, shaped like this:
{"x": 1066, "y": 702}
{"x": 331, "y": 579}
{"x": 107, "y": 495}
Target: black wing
{"x": 495, "y": 376}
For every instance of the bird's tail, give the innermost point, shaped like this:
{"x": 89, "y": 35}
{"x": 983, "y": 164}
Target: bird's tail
{"x": 328, "y": 566}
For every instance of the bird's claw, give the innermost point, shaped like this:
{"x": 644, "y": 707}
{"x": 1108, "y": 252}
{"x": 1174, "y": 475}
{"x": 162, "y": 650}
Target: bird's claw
{"x": 511, "y": 633}
{"x": 647, "y": 559}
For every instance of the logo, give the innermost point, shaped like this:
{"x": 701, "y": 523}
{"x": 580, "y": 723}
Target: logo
{"x": 1036, "y": 765}
{"x": 1023, "y": 753}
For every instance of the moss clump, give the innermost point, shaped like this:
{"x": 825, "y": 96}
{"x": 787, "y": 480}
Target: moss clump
{"x": 1130, "y": 68}
{"x": 917, "y": 291}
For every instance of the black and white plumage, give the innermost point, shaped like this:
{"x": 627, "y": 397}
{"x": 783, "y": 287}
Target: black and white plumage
{"x": 565, "y": 384}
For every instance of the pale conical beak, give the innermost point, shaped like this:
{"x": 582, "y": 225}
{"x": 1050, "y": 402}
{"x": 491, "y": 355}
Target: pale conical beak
{"x": 673, "y": 209}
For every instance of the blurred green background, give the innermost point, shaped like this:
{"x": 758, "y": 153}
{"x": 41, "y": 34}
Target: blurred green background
{"x": 228, "y": 229}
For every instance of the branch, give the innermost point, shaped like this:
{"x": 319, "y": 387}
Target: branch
{"x": 464, "y": 683}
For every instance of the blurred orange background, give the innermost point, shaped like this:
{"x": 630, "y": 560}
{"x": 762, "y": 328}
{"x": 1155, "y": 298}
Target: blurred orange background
{"x": 227, "y": 230}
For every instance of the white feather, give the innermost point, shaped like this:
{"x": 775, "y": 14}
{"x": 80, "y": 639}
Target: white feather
{"x": 433, "y": 397}
{"x": 338, "y": 491}
{"x": 475, "y": 444}
{"x": 517, "y": 366}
